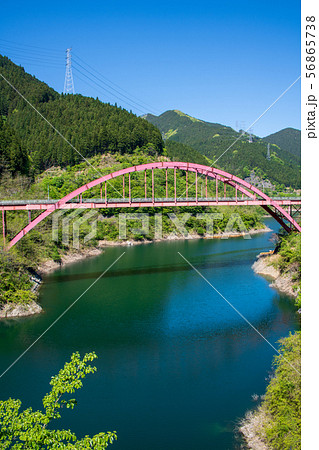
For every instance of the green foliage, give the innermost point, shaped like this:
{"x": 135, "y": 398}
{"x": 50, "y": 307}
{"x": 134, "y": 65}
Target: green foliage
{"x": 181, "y": 152}
{"x": 290, "y": 252}
{"x": 92, "y": 127}
{"x": 30, "y": 429}
{"x": 289, "y": 249}
{"x": 298, "y": 300}
{"x": 288, "y": 140}
{"x": 213, "y": 139}
{"x": 226, "y": 220}
{"x": 55, "y": 255}
{"x": 18, "y": 296}
{"x": 14, "y": 281}
{"x": 282, "y": 402}
{"x": 13, "y": 157}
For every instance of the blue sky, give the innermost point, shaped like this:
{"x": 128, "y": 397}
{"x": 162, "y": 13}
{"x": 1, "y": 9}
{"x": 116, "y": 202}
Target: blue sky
{"x": 219, "y": 61}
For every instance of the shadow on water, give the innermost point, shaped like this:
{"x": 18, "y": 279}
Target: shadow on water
{"x": 210, "y": 262}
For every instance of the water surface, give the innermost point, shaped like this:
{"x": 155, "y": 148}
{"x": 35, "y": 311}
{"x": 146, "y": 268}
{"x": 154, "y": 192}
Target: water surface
{"x": 177, "y": 365}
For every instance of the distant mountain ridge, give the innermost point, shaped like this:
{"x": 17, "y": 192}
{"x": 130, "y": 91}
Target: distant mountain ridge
{"x": 173, "y": 121}
{"x": 288, "y": 139}
{"x": 217, "y": 143}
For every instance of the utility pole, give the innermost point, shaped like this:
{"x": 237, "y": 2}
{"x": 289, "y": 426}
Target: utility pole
{"x": 68, "y": 81}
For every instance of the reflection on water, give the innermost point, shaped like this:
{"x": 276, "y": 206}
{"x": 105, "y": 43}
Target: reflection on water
{"x": 177, "y": 365}
{"x": 211, "y": 262}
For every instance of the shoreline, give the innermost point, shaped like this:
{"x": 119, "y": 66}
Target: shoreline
{"x": 252, "y": 425}
{"x": 251, "y": 429}
{"x": 71, "y": 257}
{"x": 14, "y": 310}
{"x": 265, "y": 265}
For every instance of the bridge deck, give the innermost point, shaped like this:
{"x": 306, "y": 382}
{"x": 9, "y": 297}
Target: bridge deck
{"x": 15, "y": 205}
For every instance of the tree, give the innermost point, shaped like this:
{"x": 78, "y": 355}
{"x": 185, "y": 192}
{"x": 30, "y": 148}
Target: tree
{"x": 28, "y": 429}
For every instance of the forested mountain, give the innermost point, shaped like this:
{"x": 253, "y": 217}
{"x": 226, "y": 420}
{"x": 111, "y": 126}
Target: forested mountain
{"x": 177, "y": 151}
{"x": 288, "y": 139}
{"x": 91, "y": 126}
{"x": 213, "y": 139}
{"x": 13, "y": 157}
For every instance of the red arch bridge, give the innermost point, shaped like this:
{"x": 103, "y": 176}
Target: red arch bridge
{"x": 244, "y": 194}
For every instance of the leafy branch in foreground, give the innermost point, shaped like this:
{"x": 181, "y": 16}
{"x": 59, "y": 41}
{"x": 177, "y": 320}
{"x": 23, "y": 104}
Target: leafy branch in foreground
{"x": 28, "y": 429}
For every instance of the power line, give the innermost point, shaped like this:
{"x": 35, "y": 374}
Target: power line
{"x": 38, "y": 64}
{"x": 116, "y": 85}
{"x": 31, "y": 54}
{"x": 106, "y": 90}
{"x": 38, "y": 56}
{"x": 78, "y": 77}
{"x": 32, "y": 46}
{"x": 32, "y": 59}
{"x": 123, "y": 97}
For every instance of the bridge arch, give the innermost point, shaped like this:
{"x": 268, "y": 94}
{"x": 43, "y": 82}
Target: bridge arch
{"x": 271, "y": 206}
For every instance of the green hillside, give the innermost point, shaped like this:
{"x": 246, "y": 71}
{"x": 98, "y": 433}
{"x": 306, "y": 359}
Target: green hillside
{"x": 213, "y": 139}
{"x": 91, "y": 126}
{"x": 13, "y": 157}
{"x": 288, "y": 139}
{"x": 176, "y": 151}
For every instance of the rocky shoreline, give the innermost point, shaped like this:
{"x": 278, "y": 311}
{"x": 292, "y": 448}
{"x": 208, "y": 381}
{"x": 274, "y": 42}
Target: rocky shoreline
{"x": 69, "y": 258}
{"x": 266, "y": 265}
{"x": 13, "y": 310}
{"x": 252, "y": 427}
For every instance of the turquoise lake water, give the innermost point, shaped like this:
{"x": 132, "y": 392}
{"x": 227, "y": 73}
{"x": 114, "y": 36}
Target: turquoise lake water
{"x": 177, "y": 366}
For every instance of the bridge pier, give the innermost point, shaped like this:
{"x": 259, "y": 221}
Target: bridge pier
{"x": 166, "y": 184}
{"x": 216, "y": 181}
{"x": 186, "y": 185}
{"x": 175, "y": 184}
{"x": 146, "y": 187}
{"x": 196, "y": 189}
{"x": 4, "y": 227}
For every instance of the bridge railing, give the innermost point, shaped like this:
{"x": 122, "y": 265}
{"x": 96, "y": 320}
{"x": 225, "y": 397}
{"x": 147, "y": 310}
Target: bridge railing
{"x": 135, "y": 199}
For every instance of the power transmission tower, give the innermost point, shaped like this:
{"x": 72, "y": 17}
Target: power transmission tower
{"x": 242, "y": 127}
{"x": 250, "y": 135}
{"x": 68, "y": 81}
{"x": 268, "y": 152}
